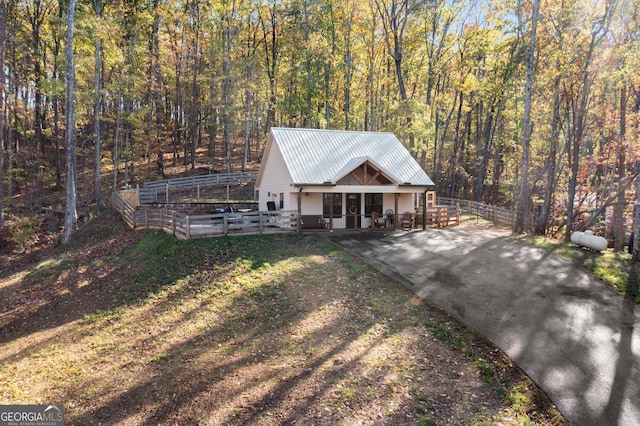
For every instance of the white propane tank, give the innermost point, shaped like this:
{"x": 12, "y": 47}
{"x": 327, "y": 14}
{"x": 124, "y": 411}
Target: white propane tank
{"x": 587, "y": 239}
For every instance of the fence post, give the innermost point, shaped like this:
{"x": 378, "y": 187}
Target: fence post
{"x": 260, "y": 223}
{"x": 198, "y": 196}
{"x": 187, "y": 227}
{"x": 457, "y": 213}
{"x": 173, "y": 222}
{"x": 225, "y": 225}
{"x": 146, "y": 218}
{"x": 167, "y": 193}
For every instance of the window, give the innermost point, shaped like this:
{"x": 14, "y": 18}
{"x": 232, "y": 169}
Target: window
{"x": 372, "y": 203}
{"x": 281, "y": 200}
{"x": 337, "y": 204}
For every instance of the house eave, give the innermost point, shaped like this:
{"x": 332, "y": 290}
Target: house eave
{"x": 302, "y": 185}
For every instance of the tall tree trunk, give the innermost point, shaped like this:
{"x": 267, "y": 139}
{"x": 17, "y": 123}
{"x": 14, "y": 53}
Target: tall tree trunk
{"x": 370, "y": 121}
{"x": 270, "y": 33}
{"x": 116, "y": 141}
{"x": 3, "y": 33}
{"x": 636, "y": 219}
{"x": 13, "y": 90}
{"x": 195, "y": 90}
{"x": 56, "y": 111}
{"x": 97, "y": 80}
{"x": 348, "y": 66}
{"x": 177, "y": 112}
{"x": 618, "y": 209}
{"x": 229, "y": 33}
{"x": 453, "y": 167}
{"x": 599, "y": 29}
{"x": 37, "y": 12}
{"x": 247, "y": 120}
{"x": 308, "y": 121}
{"x": 71, "y": 214}
{"x": 395, "y": 18}
{"x": 524, "y": 195}
{"x": 484, "y": 153}
{"x": 550, "y": 167}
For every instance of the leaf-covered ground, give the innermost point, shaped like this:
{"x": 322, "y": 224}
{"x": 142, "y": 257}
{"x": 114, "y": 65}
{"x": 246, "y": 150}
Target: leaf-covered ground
{"x": 126, "y": 327}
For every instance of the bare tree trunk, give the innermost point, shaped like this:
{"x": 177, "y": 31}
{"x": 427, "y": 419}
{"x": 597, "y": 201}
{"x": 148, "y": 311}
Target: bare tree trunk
{"x": 56, "y": 112}
{"x": 524, "y": 196}
{"x": 370, "y": 122}
{"x": 395, "y": 17}
{"x": 71, "y": 214}
{"x": 272, "y": 53}
{"x": 97, "y": 79}
{"x": 453, "y": 167}
{"x": 543, "y": 218}
{"x": 618, "y": 209}
{"x": 3, "y": 32}
{"x": 599, "y": 30}
{"x": 116, "y": 142}
{"x": 636, "y": 220}
{"x": 195, "y": 91}
{"x": 247, "y": 121}
{"x": 229, "y": 33}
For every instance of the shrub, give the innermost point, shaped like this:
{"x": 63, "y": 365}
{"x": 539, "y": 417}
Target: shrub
{"x": 23, "y": 231}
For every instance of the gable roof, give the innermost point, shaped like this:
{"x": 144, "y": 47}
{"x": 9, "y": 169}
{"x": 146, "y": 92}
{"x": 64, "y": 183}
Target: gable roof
{"x": 316, "y": 157}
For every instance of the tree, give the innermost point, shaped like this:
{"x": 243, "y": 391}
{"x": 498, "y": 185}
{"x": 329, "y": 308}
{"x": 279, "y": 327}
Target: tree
{"x": 71, "y": 214}
{"x": 98, "y": 8}
{"x": 599, "y": 28}
{"x": 636, "y": 222}
{"x": 523, "y": 203}
{"x": 396, "y": 16}
{"x": 3, "y": 27}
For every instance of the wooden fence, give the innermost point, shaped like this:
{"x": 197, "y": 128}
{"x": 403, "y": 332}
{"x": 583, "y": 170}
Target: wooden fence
{"x": 498, "y": 215}
{"x": 440, "y": 215}
{"x": 152, "y": 191}
{"x": 185, "y": 226}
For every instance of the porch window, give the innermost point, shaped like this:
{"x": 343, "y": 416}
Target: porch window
{"x": 372, "y": 203}
{"x": 337, "y": 204}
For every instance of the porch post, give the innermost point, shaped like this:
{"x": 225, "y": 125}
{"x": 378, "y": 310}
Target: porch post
{"x": 424, "y": 210}
{"x": 298, "y": 221}
{"x": 330, "y": 211}
{"x": 395, "y": 219}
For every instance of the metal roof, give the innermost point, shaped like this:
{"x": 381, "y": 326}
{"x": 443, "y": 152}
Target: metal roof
{"x": 315, "y": 156}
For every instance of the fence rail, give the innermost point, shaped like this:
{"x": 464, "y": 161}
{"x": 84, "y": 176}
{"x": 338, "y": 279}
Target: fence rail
{"x": 498, "y": 215}
{"x": 440, "y": 215}
{"x": 185, "y": 226}
{"x": 213, "y": 179}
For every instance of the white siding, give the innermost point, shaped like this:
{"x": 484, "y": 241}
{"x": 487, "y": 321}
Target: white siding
{"x": 311, "y": 203}
{"x": 275, "y": 180}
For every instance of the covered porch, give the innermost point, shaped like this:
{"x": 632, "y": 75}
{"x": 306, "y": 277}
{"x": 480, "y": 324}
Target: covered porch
{"x": 356, "y": 207}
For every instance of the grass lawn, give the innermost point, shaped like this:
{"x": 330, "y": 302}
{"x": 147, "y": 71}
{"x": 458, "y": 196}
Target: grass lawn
{"x": 126, "y": 327}
{"x": 615, "y": 269}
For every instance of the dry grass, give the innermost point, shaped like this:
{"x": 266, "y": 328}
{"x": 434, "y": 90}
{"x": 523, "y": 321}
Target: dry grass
{"x": 139, "y": 328}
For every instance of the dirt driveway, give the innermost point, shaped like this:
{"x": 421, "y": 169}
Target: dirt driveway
{"x": 577, "y": 339}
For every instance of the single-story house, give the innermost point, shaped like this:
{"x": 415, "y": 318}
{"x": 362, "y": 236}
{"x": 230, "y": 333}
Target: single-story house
{"x": 340, "y": 178}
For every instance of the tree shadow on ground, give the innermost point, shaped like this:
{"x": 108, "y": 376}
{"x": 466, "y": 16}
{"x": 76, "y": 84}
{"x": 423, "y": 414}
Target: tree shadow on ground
{"x": 548, "y": 315}
{"x": 235, "y": 371}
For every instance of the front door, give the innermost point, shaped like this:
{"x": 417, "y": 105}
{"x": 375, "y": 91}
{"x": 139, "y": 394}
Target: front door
{"x": 353, "y": 211}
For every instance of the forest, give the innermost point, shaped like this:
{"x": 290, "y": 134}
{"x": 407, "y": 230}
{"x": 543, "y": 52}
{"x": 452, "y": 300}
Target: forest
{"x": 528, "y": 104}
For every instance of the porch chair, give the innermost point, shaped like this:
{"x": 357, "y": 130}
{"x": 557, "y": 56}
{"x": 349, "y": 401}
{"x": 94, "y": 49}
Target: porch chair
{"x": 406, "y": 221}
{"x": 377, "y": 221}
